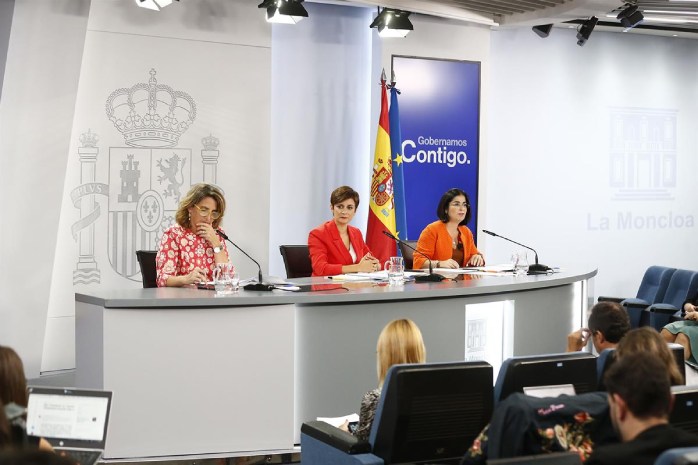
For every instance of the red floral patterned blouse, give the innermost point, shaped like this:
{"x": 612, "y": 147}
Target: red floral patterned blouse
{"x": 181, "y": 251}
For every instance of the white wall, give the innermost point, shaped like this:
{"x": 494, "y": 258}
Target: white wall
{"x": 36, "y": 116}
{"x": 320, "y": 121}
{"x": 556, "y": 174}
{"x": 217, "y": 52}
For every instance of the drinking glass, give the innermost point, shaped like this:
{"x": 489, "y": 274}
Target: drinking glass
{"x": 234, "y": 282}
{"x": 394, "y": 261}
{"x": 522, "y": 263}
{"x": 222, "y": 275}
{"x": 396, "y": 274}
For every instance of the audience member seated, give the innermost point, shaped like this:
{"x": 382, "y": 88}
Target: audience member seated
{"x": 523, "y": 425}
{"x": 646, "y": 340}
{"x": 685, "y": 332}
{"x": 608, "y": 323}
{"x": 640, "y": 399}
{"x": 5, "y": 432}
{"x": 399, "y": 342}
{"x": 13, "y": 390}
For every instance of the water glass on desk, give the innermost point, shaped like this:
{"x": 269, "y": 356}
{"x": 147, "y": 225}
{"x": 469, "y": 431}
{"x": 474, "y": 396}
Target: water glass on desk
{"x": 222, "y": 278}
{"x": 396, "y": 274}
{"x": 396, "y": 270}
{"x": 520, "y": 262}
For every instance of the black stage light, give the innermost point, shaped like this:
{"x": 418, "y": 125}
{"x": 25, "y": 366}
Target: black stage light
{"x": 284, "y": 11}
{"x": 630, "y": 17}
{"x": 392, "y": 23}
{"x": 543, "y": 30}
{"x": 585, "y": 30}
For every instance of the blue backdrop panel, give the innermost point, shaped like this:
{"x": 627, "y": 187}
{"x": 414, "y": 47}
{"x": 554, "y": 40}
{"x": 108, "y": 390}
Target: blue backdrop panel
{"x": 440, "y": 122}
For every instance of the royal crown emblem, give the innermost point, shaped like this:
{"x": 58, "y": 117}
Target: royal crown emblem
{"x": 210, "y": 142}
{"x": 89, "y": 139}
{"x": 151, "y": 114}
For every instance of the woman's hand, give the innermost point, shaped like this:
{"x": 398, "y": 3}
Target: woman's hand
{"x": 344, "y": 426}
{"x": 450, "y": 263}
{"x": 197, "y": 275}
{"x": 206, "y": 231}
{"x": 368, "y": 264}
{"x": 689, "y": 307}
{"x": 692, "y": 316}
{"x": 476, "y": 260}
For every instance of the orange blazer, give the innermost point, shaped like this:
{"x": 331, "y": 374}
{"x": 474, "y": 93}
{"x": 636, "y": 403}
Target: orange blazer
{"x": 327, "y": 251}
{"x": 435, "y": 242}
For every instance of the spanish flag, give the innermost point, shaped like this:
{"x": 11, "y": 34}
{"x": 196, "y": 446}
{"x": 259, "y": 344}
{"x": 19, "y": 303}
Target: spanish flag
{"x": 381, "y": 214}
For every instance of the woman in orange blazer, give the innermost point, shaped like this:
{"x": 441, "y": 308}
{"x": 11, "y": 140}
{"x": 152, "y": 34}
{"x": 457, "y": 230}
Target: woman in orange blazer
{"x": 335, "y": 247}
{"x": 448, "y": 242}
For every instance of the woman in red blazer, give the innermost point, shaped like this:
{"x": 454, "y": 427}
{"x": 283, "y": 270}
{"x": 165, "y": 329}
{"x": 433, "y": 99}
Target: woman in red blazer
{"x": 337, "y": 248}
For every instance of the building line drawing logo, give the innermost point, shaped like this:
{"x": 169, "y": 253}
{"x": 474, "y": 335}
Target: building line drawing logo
{"x": 147, "y": 177}
{"x": 643, "y": 154}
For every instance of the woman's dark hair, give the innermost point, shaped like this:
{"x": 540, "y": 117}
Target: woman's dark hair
{"x": 442, "y": 209}
{"x": 13, "y": 384}
{"x": 343, "y": 193}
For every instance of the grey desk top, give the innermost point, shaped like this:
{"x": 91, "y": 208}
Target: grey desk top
{"x": 353, "y": 292}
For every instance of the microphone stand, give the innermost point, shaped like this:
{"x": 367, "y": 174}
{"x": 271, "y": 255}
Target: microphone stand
{"x": 431, "y": 277}
{"x": 259, "y": 286}
{"x": 532, "y": 269}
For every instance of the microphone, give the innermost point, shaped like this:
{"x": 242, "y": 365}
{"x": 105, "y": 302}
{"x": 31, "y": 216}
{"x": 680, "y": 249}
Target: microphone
{"x": 532, "y": 269}
{"x": 259, "y": 286}
{"x": 431, "y": 277}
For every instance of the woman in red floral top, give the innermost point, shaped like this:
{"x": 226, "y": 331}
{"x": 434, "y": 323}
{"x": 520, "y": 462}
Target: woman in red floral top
{"x": 190, "y": 249}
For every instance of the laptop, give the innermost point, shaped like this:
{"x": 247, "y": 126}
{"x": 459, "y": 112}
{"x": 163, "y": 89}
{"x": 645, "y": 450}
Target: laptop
{"x": 73, "y": 421}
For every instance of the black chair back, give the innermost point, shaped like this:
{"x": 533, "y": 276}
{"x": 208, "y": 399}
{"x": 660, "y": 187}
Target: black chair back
{"x": 146, "y": 259}
{"x": 678, "y": 353}
{"x": 296, "y": 260}
{"x": 431, "y": 412}
{"x": 407, "y": 253}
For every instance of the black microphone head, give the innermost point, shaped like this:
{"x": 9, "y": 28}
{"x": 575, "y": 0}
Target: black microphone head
{"x": 489, "y": 232}
{"x": 222, "y": 234}
{"x": 388, "y": 234}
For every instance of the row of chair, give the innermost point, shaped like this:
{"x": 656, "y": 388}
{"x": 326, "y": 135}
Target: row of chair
{"x": 296, "y": 261}
{"x": 433, "y": 412}
{"x": 660, "y": 297}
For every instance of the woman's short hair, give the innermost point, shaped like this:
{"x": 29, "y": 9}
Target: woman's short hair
{"x": 646, "y": 340}
{"x": 399, "y": 342}
{"x": 343, "y": 193}
{"x": 13, "y": 383}
{"x": 449, "y": 195}
{"x": 195, "y": 195}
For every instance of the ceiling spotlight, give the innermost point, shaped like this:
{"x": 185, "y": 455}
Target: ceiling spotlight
{"x": 630, "y": 17}
{"x": 392, "y": 23}
{"x": 543, "y": 30}
{"x": 585, "y": 30}
{"x": 156, "y": 5}
{"x": 284, "y": 11}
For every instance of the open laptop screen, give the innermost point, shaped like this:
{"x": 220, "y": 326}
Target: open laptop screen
{"x": 78, "y": 418}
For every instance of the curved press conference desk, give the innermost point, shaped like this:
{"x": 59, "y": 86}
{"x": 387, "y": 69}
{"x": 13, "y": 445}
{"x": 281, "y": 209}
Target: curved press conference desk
{"x": 196, "y": 374}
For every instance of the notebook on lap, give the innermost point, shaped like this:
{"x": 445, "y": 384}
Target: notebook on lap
{"x": 73, "y": 421}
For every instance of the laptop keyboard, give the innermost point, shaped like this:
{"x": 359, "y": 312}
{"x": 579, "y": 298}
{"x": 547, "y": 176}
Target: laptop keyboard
{"x": 82, "y": 457}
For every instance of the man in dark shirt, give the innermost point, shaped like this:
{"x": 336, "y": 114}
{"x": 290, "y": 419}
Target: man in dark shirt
{"x": 640, "y": 399}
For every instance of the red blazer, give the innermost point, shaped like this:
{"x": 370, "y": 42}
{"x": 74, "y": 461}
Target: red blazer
{"x": 327, "y": 251}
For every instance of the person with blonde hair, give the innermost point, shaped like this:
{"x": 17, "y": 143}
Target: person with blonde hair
{"x": 399, "y": 342}
{"x": 190, "y": 249}
{"x": 646, "y": 340}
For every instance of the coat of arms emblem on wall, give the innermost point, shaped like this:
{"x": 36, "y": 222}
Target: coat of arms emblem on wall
{"x": 147, "y": 177}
